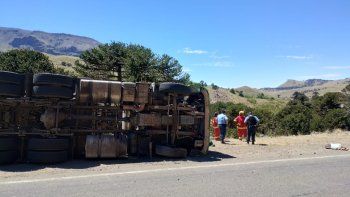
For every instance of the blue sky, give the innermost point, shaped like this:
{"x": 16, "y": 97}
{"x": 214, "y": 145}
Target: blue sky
{"x": 229, "y": 43}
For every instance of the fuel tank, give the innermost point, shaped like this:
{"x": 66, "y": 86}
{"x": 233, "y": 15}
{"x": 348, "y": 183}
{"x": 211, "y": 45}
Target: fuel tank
{"x": 106, "y": 146}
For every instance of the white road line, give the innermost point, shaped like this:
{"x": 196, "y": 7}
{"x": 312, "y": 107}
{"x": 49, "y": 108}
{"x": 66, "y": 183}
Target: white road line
{"x": 166, "y": 169}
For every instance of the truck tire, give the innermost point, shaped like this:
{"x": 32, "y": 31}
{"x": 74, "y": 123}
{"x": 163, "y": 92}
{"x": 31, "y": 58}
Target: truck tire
{"x": 173, "y": 152}
{"x": 53, "y": 79}
{"x": 10, "y": 90}
{"x": 170, "y": 87}
{"x": 11, "y": 77}
{"x": 52, "y": 92}
{"x": 47, "y": 156}
{"x": 48, "y": 144}
{"x": 8, "y": 156}
{"x": 8, "y": 143}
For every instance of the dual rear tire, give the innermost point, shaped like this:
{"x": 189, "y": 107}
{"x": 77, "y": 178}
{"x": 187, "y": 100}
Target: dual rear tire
{"x": 47, "y": 150}
{"x": 47, "y": 85}
{"x": 11, "y": 84}
{"x": 8, "y": 150}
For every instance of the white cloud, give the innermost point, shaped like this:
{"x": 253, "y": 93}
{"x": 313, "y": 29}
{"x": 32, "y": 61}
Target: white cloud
{"x": 214, "y": 56}
{"x": 337, "y": 67}
{"x": 296, "y": 57}
{"x": 222, "y": 64}
{"x": 187, "y": 70}
{"x": 192, "y": 51}
{"x": 321, "y": 76}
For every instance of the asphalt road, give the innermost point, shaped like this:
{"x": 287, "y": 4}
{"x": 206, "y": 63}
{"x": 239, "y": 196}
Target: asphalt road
{"x": 316, "y": 176}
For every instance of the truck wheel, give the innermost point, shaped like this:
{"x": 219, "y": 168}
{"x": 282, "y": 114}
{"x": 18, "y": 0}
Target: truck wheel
{"x": 8, "y": 143}
{"x": 48, "y": 144}
{"x": 8, "y": 156}
{"x": 53, "y": 79}
{"x": 53, "y": 92}
{"x": 11, "y": 90}
{"x": 170, "y": 87}
{"x": 168, "y": 151}
{"x": 47, "y": 156}
{"x": 11, "y": 77}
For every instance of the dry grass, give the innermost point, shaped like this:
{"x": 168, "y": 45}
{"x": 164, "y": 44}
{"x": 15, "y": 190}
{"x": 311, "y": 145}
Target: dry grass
{"x": 224, "y": 95}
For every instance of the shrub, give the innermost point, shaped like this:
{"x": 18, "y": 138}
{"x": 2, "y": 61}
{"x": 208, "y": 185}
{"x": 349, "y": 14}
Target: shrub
{"x": 215, "y": 87}
{"x": 251, "y": 100}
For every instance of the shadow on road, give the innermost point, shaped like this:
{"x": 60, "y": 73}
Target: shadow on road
{"x": 212, "y": 156}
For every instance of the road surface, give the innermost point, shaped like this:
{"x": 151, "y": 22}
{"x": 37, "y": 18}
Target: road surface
{"x": 308, "y": 176}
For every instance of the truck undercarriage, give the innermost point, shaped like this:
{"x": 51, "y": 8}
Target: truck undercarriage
{"x": 47, "y": 118}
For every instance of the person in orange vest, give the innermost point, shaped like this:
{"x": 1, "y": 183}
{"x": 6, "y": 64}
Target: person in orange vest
{"x": 241, "y": 126}
{"x": 216, "y": 129}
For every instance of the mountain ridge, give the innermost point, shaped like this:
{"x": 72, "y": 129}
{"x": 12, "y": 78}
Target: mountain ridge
{"x": 50, "y": 43}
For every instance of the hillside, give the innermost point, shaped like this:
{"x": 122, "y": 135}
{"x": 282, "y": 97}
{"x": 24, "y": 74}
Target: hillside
{"x": 307, "y": 87}
{"x": 50, "y": 43}
{"x": 224, "y": 95}
{"x": 63, "y": 61}
{"x": 280, "y": 94}
{"x": 248, "y": 91}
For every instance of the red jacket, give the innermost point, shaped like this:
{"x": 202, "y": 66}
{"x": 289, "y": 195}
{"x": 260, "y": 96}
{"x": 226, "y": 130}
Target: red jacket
{"x": 240, "y": 121}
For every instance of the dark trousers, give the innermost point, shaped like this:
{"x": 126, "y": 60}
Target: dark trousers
{"x": 222, "y": 131}
{"x": 251, "y": 133}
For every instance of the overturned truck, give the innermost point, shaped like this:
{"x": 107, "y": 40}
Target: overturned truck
{"x": 49, "y": 118}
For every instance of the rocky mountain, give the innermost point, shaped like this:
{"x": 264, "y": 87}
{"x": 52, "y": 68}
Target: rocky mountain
{"x": 282, "y": 92}
{"x": 50, "y": 43}
{"x": 307, "y": 87}
{"x": 293, "y": 84}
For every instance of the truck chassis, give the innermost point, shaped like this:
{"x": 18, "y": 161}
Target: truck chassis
{"x": 49, "y": 118}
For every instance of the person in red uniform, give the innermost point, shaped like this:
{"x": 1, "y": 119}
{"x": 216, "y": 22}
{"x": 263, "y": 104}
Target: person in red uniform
{"x": 241, "y": 126}
{"x": 216, "y": 129}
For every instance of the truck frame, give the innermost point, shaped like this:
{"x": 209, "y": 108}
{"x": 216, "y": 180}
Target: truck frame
{"x": 49, "y": 118}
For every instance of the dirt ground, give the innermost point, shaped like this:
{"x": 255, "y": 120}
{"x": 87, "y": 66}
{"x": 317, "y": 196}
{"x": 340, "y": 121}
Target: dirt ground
{"x": 284, "y": 147}
{"x": 266, "y": 148}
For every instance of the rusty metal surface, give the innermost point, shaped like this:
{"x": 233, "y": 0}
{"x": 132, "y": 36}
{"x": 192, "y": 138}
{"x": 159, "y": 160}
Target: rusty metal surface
{"x": 129, "y": 91}
{"x": 206, "y": 121}
{"x": 142, "y": 91}
{"x": 116, "y": 92}
{"x": 99, "y": 91}
{"x": 92, "y": 146}
{"x": 186, "y": 120}
{"x": 50, "y": 116}
{"x": 108, "y": 146}
{"x": 149, "y": 120}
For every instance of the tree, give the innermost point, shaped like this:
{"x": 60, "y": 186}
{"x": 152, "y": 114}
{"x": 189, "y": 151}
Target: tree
{"x": 298, "y": 96}
{"x": 346, "y": 90}
{"x": 215, "y": 87}
{"x": 169, "y": 69}
{"x": 202, "y": 83}
{"x": 25, "y": 61}
{"x": 103, "y": 62}
{"x": 140, "y": 64}
{"x": 295, "y": 118}
{"x": 232, "y": 90}
{"x": 261, "y": 96}
{"x": 129, "y": 62}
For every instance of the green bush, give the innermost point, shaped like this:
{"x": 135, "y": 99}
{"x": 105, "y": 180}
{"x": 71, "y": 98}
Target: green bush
{"x": 252, "y": 100}
{"x": 299, "y": 116}
{"x": 336, "y": 118}
{"x": 25, "y": 61}
{"x": 215, "y": 87}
